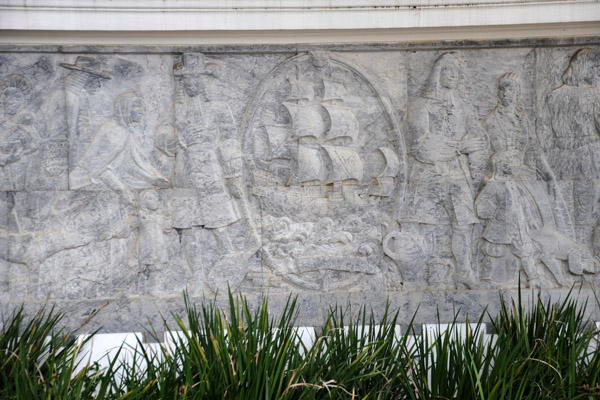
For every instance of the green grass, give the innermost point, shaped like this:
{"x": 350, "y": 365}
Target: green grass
{"x": 539, "y": 350}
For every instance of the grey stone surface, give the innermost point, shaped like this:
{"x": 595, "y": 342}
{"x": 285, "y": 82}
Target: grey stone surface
{"x": 432, "y": 174}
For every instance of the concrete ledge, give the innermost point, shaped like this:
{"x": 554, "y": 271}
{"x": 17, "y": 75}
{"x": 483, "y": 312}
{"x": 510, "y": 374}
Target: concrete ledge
{"x": 357, "y": 36}
{"x": 275, "y": 15}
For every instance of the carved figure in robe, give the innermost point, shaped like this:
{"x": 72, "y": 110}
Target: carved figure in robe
{"x": 447, "y": 147}
{"x": 524, "y": 218}
{"x": 208, "y": 185}
{"x": 84, "y": 79}
{"x": 574, "y": 109}
{"x": 18, "y": 133}
{"x": 115, "y": 157}
{"x": 63, "y": 136}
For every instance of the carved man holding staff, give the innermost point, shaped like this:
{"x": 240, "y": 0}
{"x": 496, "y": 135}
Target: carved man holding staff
{"x": 208, "y": 169}
{"x": 574, "y": 109}
{"x": 447, "y": 149}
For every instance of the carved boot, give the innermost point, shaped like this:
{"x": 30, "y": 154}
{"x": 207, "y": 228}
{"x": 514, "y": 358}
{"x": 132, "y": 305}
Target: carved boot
{"x": 461, "y": 247}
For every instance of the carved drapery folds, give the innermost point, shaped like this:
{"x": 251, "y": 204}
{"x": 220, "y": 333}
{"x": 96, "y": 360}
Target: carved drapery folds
{"x": 323, "y": 171}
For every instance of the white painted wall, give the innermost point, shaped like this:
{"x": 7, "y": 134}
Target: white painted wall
{"x": 290, "y": 21}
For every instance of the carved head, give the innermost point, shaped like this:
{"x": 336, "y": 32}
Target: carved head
{"x": 149, "y": 200}
{"x": 165, "y": 141}
{"x": 42, "y": 69}
{"x": 192, "y": 71}
{"x": 128, "y": 109}
{"x": 319, "y": 58}
{"x": 87, "y": 71}
{"x": 15, "y": 93}
{"x": 509, "y": 89}
{"x": 445, "y": 74}
{"x": 583, "y": 68}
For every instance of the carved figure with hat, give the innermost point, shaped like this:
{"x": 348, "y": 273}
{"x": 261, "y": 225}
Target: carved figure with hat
{"x": 84, "y": 79}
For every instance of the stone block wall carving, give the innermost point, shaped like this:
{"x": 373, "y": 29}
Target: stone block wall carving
{"x": 434, "y": 174}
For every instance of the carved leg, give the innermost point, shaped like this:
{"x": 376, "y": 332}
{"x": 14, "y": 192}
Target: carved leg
{"x": 584, "y": 196}
{"x": 556, "y": 269}
{"x": 224, "y": 245}
{"x": 229, "y": 271}
{"x": 525, "y": 253}
{"x": 533, "y": 279}
{"x": 495, "y": 260}
{"x": 461, "y": 248}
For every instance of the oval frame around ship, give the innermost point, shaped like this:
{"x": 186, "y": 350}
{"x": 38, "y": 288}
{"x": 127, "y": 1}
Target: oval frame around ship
{"x": 326, "y": 167}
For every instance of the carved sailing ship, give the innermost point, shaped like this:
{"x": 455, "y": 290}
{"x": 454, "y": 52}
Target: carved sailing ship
{"x": 341, "y": 136}
{"x": 307, "y": 131}
{"x": 323, "y": 154}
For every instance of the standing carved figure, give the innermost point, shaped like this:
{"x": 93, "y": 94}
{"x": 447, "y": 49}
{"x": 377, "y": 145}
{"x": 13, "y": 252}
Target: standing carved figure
{"x": 152, "y": 224}
{"x": 208, "y": 169}
{"x": 446, "y": 142}
{"x": 61, "y": 147}
{"x": 18, "y": 134}
{"x": 83, "y": 80}
{"x": 524, "y": 218}
{"x": 574, "y": 109}
{"x": 115, "y": 156}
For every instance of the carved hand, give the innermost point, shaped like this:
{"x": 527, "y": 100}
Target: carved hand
{"x": 235, "y": 188}
{"x": 434, "y": 148}
{"x": 161, "y": 182}
{"x": 444, "y": 150}
{"x": 128, "y": 196}
{"x": 188, "y": 133}
{"x": 233, "y": 168}
{"x": 472, "y": 144}
{"x": 485, "y": 208}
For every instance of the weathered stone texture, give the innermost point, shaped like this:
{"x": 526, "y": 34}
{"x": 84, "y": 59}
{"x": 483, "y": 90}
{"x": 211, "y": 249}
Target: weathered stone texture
{"x": 433, "y": 175}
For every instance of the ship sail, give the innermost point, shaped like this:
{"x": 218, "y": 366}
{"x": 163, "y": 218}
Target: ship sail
{"x": 277, "y": 137}
{"x": 384, "y": 182}
{"x": 345, "y": 162}
{"x": 334, "y": 91}
{"x": 300, "y": 90}
{"x": 310, "y": 164}
{"x": 392, "y": 164}
{"x": 343, "y": 124}
{"x": 306, "y": 121}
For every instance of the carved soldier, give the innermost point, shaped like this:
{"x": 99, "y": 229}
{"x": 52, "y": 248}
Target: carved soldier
{"x": 61, "y": 145}
{"x": 574, "y": 110}
{"x": 523, "y": 218}
{"x": 446, "y": 143}
{"x": 18, "y": 133}
{"x": 208, "y": 167}
{"x": 83, "y": 80}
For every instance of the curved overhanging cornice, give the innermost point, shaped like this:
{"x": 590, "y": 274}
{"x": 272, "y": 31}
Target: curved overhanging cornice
{"x": 290, "y": 21}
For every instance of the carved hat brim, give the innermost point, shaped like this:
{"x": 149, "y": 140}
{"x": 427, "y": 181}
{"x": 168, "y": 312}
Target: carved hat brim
{"x": 209, "y": 69}
{"x": 76, "y": 67}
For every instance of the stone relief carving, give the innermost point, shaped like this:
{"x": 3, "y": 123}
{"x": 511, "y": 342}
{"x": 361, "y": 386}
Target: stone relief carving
{"x": 43, "y": 224}
{"x": 322, "y": 199}
{"x": 317, "y": 165}
{"x": 115, "y": 157}
{"x": 78, "y": 228}
{"x": 18, "y": 131}
{"x": 447, "y": 149}
{"x": 84, "y": 78}
{"x": 208, "y": 189}
{"x": 526, "y": 217}
{"x": 575, "y": 155}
